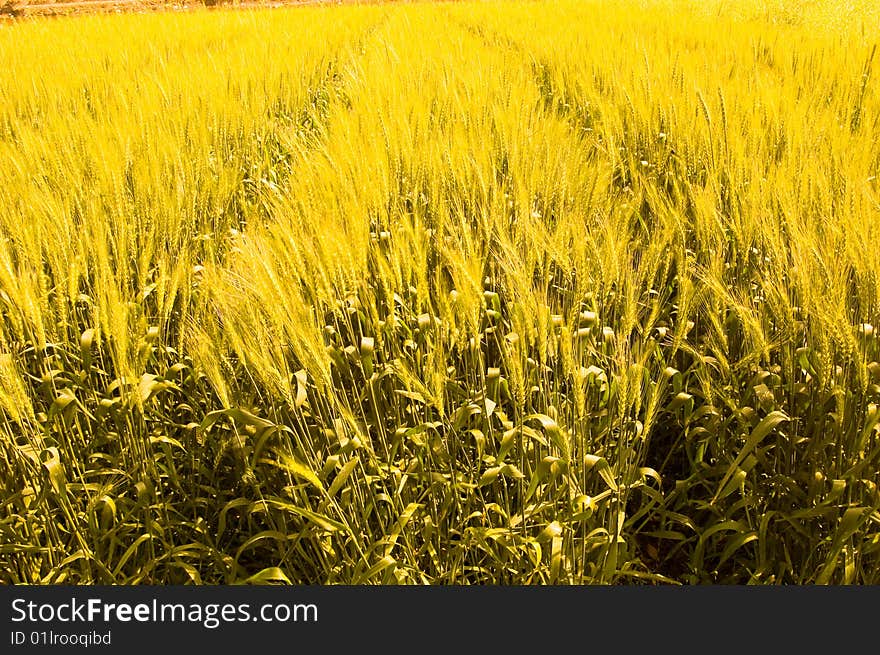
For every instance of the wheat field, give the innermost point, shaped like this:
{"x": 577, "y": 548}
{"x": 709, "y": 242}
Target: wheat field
{"x": 547, "y": 292}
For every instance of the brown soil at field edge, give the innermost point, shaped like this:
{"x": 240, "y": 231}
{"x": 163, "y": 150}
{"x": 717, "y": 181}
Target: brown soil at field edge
{"x": 73, "y": 7}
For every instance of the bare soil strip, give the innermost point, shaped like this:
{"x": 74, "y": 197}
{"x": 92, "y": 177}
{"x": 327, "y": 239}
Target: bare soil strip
{"x": 120, "y": 6}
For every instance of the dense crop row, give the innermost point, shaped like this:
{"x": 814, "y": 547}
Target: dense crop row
{"x": 527, "y": 292}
